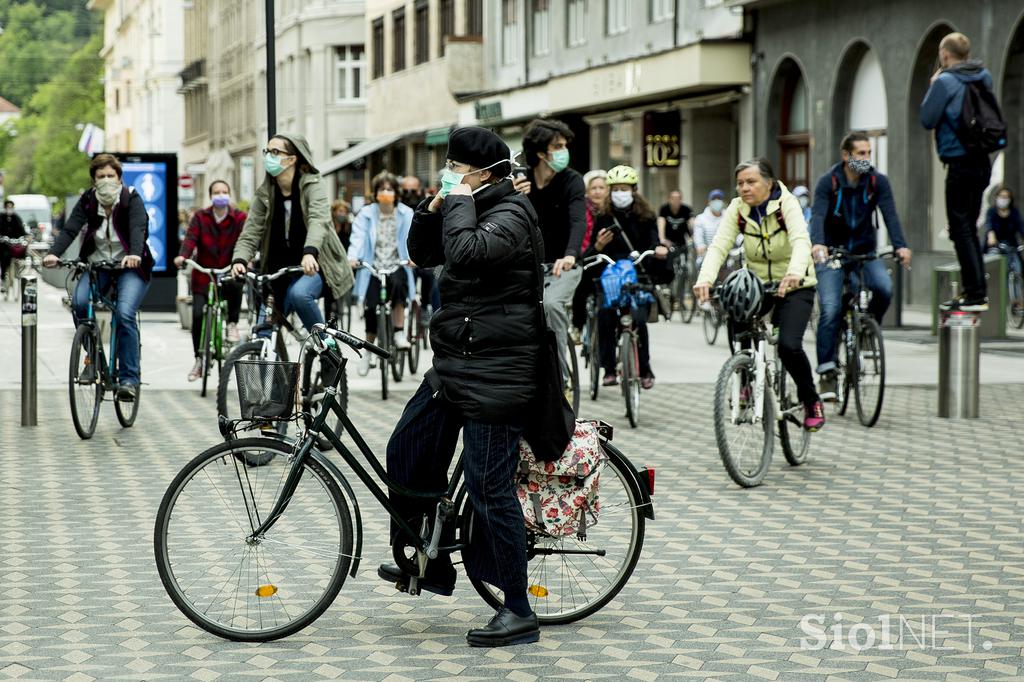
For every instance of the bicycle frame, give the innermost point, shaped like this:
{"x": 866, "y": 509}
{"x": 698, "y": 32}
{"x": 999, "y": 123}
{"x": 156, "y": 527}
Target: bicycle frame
{"x": 107, "y": 367}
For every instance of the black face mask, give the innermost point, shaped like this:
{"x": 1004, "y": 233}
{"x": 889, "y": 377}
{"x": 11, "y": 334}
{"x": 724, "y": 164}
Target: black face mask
{"x": 411, "y": 197}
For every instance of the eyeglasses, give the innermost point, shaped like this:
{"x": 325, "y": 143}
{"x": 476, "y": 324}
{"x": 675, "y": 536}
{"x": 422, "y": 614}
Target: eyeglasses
{"x": 276, "y": 152}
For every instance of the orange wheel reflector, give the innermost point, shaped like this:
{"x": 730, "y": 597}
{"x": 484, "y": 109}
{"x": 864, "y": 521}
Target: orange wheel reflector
{"x": 538, "y": 591}
{"x": 266, "y": 590}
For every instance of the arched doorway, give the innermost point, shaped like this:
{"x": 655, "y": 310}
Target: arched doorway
{"x": 861, "y": 103}
{"x": 789, "y": 123}
{"x": 1012, "y": 96}
{"x": 926, "y": 217}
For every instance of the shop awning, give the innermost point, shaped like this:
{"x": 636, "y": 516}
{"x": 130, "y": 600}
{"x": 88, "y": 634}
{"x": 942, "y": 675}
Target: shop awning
{"x": 436, "y": 137}
{"x": 356, "y": 152}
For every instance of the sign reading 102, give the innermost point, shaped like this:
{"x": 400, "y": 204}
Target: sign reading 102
{"x": 661, "y": 150}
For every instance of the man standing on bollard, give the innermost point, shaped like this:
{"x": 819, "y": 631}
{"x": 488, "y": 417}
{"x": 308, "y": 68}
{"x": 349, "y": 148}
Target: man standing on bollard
{"x": 968, "y": 166}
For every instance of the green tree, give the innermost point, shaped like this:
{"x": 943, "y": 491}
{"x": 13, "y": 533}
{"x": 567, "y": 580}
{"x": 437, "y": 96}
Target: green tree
{"x": 33, "y": 47}
{"x": 74, "y": 96}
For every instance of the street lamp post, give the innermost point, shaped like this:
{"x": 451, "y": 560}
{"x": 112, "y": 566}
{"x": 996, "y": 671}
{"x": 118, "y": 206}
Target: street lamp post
{"x": 271, "y": 75}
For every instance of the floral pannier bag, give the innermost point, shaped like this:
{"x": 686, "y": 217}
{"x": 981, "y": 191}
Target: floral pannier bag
{"x": 560, "y": 498}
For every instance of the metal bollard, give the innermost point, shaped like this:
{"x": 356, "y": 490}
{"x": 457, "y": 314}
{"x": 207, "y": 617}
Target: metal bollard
{"x": 959, "y": 351}
{"x": 29, "y": 320}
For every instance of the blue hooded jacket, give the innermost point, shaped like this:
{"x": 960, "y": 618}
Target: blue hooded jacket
{"x": 944, "y": 102}
{"x": 845, "y": 216}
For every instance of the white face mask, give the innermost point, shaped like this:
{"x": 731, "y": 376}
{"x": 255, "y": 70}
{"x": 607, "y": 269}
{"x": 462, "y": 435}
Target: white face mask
{"x": 1003, "y": 202}
{"x": 622, "y": 198}
{"x": 717, "y": 205}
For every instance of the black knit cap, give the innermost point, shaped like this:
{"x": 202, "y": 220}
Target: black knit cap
{"x": 479, "y": 147}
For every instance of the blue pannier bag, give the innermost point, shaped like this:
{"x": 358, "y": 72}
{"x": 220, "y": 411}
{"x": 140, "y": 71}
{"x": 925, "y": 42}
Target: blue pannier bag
{"x": 612, "y": 280}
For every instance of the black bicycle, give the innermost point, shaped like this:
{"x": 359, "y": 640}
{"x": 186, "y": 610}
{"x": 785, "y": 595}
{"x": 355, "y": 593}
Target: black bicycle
{"x": 386, "y": 331}
{"x": 256, "y": 554}
{"x": 860, "y": 353}
{"x": 683, "y": 272}
{"x": 91, "y": 374}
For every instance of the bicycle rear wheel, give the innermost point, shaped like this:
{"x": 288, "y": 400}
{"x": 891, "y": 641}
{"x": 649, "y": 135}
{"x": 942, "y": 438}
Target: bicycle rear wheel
{"x": 630, "y": 377}
{"x": 568, "y": 580}
{"x": 744, "y": 443}
{"x": 687, "y": 301}
{"x": 796, "y": 440}
{"x": 128, "y": 410}
{"x": 1015, "y": 299}
{"x": 869, "y": 390}
{"x": 227, "y": 389}
{"x": 845, "y": 372}
{"x": 85, "y": 380}
{"x": 243, "y": 588}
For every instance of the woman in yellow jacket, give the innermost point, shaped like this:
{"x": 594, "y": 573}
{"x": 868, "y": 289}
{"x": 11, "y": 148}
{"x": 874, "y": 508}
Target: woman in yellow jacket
{"x": 777, "y": 248}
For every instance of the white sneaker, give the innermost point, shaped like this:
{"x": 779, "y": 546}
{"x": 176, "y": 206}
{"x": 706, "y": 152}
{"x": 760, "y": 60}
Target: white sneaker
{"x": 364, "y": 364}
{"x": 197, "y": 370}
{"x": 232, "y": 332}
{"x": 401, "y": 343}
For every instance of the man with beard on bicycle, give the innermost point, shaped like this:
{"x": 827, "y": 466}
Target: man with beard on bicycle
{"x": 486, "y": 339}
{"x": 777, "y": 249}
{"x": 843, "y": 215}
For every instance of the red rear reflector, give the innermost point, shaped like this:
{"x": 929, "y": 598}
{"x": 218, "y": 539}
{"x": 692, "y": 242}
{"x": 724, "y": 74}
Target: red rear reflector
{"x": 650, "y": 480}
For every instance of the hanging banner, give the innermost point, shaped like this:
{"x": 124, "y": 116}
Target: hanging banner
{"x": 661, "y": 139}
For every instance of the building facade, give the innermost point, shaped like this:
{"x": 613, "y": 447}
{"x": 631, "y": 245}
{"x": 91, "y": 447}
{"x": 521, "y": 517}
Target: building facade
{"x": 827, "y": 67}
{"x": 659, "y": 85}
{"x": 143, "y": 53}
{"x": 422, "y": 55}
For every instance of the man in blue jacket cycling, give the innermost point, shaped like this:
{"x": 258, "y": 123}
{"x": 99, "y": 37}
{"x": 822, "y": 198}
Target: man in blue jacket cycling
{"x": 967, "y": 175}
{"x": 843, "y": 215}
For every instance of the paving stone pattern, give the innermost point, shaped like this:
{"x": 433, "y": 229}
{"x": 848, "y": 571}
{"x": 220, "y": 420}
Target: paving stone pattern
{"x": 916, "y": 518}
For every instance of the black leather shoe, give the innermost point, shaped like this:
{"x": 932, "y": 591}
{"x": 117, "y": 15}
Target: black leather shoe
{"x": 506, "y": 629}
{"x": 127, "y": 393}
{"x": 438, "y": 581}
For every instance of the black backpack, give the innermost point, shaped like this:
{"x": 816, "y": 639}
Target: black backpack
{"x": 982, "y": 128}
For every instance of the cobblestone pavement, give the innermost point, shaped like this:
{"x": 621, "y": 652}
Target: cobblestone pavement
{"x": 918, "y": 518}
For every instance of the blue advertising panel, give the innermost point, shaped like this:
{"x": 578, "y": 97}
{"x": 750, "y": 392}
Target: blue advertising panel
{"x": 150, "y": 181}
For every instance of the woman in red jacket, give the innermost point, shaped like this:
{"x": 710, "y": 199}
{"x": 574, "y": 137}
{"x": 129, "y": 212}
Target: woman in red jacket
{"x": 210, "y": 241}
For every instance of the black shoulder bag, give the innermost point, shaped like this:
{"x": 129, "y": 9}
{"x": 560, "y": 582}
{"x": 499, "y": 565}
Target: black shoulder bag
{"x": 551, "y": 422}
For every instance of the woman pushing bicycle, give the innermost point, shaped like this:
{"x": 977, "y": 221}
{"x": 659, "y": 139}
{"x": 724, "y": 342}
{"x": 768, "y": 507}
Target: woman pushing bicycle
{"x": 115, "y": 225}
{"x": 486, "y": 340}
{"x": 777, "y": 248}
{"x": 211, "y": 237}
{"x": 289, "y": 223}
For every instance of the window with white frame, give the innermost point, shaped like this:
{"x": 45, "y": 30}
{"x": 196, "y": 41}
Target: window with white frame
{"x": 616, "y": 16}
{"x": 661, "y": 10}
{"x": 509, "y": 32}
{"x": 349, "y": 72}
{"x": 541, "y": 27}
{"x": 576, "y": 23}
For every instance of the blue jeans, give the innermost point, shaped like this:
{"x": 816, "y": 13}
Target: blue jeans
{"x": 830, "y": 301}
{"x": 1009, "y": 251}
{"x": 302, "y": 296}
{"x": 131, "y": 289}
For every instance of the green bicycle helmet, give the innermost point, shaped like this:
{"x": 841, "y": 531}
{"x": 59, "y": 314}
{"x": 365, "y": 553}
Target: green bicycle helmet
{"x": 623, "y": 175}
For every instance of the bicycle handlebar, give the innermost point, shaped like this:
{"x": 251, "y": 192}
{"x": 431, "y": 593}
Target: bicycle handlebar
{"x": 207, "y": 271}
{"x": 636, "y": 257}
{"x": 20, "y": 241}
{"x": 377, "y": 272}
{"x": 349, "y": 340}
{"x": 84, "y": 265}
{"x": 256, "y": 277}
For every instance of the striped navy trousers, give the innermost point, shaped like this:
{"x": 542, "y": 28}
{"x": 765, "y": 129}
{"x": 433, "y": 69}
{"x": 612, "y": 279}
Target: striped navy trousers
{"x": 419, "y": 455}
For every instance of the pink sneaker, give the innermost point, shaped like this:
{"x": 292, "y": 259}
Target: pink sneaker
{"x": 814, "y": 416}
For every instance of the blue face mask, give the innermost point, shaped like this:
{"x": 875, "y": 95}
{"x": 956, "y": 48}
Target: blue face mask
{"x": 272, "y": 164}
{"x": 559, "y": 160}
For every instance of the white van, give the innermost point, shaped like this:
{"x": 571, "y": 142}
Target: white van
{"x": 36, "y": 212}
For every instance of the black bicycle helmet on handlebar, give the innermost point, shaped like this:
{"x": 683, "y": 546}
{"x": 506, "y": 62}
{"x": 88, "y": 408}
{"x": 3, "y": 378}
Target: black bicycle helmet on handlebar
{"x": 742, "y": 295}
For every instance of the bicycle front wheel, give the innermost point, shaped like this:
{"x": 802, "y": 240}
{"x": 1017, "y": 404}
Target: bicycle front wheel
{"x": 573, "y": 380}
{"x": 711, "y": 323}
{"x": 630, "y": 377}
{"x": 234, "y": 585}
{"x": 128, "y": 410}
{"x": 593, "y": 356}
{"x": 85, "y": 381}
{"x": 206, "y": 343}
{"x": 745, "y": 438}
{"x": 1015, "y": 299}
{"x": 870, "y": 387}
{"x": 414, "y": 336}
{"x": 385, "y": 334}
{"x": 570, "y": 578}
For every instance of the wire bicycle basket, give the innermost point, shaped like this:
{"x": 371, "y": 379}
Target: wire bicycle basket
{"x": 266, "y": 390}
